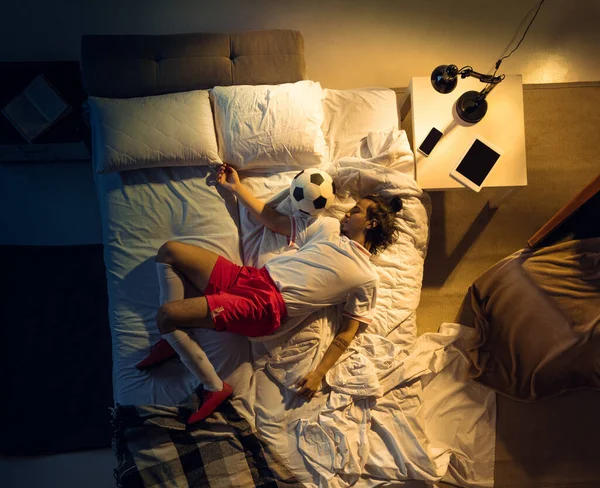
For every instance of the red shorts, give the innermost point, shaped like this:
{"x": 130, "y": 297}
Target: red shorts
{"x": 244, "y": 300}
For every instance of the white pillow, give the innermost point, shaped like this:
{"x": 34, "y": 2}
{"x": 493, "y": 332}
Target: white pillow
{"x": 175, "y": 129}
{"x": 266, "y": 126}
{"x": 351, "y": 114}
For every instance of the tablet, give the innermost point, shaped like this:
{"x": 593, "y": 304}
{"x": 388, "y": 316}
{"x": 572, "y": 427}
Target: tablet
{"x": 475, "y": 165}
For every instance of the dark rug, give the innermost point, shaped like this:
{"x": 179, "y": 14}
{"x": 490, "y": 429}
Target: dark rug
{"x": 56, "y": 350}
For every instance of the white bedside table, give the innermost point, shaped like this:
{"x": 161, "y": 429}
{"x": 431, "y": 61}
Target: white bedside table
{"x": 503, "y": 127}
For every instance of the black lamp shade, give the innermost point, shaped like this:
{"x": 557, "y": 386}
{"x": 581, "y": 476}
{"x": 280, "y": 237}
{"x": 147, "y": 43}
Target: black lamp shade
{"x": 444, "y": 78}
{"x": 471, "y": 107}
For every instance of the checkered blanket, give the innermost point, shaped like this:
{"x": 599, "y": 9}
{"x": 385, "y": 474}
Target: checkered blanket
{"x": 155, "y": 448}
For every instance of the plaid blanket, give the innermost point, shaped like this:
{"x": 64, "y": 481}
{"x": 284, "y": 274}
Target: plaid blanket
{"x": 155, "y": 448}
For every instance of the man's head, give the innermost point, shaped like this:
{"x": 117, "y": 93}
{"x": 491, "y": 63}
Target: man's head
{"x": 372, "y": 222}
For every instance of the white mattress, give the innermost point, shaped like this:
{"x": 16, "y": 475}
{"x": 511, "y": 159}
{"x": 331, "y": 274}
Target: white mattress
{"x": 140, "y": 211}
{"x": 343, "y": 435}
{"x": 380, "y": 418}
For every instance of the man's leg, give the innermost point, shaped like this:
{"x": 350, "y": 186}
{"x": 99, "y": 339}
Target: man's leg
{"x": 173, "y": 287}
{"x": 188, "y": 313}
{"x": 172, "y": 318}
{"x": 177, "y": 312}
{"x": 195, "y": 359}
{"x": 183, "y": 271}
{"x": 193, "y": 262}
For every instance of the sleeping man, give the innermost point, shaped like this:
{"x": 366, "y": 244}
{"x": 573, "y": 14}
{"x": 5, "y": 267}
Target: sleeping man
{"x": 328, "y": 263}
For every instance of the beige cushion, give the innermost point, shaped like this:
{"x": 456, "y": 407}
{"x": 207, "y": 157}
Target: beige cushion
{"x": 537, "y": 315}
{"x": 264, "y": 127}
{"x": 349, "y": 115}
{"x": 176, "y": 129}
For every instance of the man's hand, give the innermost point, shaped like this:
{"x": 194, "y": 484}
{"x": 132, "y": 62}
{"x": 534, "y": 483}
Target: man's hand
{"x": 228, "y": 178}
{"x": 309, "y": 385}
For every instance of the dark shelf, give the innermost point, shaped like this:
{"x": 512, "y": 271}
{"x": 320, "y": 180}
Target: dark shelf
{"x": 65, "y": 76}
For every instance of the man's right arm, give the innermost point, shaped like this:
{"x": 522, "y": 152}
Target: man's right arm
{"x": 267, "y": 216}
{"x": 270, "y": 218}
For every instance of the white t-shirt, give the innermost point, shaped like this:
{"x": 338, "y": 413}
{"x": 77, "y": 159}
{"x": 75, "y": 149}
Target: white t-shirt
{"x": 324, "y": 268}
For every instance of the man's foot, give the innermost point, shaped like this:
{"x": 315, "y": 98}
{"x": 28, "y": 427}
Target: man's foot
{"x": 160, "y": 352}
{"x": 210, "y": 401}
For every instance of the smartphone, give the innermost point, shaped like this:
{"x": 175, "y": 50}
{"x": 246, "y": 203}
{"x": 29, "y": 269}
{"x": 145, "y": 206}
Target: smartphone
{"x": 476, "y": 164}
{"x": 430, "y": 141}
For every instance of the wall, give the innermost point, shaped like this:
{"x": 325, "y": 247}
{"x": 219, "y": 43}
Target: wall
{"x": 349, "y": 43}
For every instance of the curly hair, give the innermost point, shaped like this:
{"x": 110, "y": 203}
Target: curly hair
{"x": 386, "y": 230}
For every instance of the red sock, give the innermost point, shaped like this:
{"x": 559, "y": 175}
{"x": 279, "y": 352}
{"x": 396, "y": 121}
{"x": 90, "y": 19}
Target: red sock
{"x": 210, "y": 401}
{"x": 160, "y": 352}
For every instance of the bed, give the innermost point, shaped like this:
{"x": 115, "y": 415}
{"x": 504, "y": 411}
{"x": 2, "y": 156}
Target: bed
{"x": 537, "y": 317}
{"x": 397, "y": 408}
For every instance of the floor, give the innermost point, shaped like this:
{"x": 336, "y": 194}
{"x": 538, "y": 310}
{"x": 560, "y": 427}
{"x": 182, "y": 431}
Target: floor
{"x": 466, "y": 238}
{"x": 89, "y": 469}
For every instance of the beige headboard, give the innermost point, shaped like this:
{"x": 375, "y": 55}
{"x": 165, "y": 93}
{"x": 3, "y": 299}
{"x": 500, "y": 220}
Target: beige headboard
{"x": 123, "y": 66}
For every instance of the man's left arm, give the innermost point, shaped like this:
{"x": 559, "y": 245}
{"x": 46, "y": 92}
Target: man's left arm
{"x": 311, "y": 383}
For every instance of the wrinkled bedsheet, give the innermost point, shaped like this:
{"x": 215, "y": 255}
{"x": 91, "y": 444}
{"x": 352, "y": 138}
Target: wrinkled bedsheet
{"x": 395, "y": 406}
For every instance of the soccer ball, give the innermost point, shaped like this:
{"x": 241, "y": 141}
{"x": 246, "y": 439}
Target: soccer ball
{"x": 312, "y": 191}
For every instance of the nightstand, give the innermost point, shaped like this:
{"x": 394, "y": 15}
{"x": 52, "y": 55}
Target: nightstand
{"x": 503, "y": 127}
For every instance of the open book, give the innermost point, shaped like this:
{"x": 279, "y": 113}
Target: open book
{"x": 36, "y": 109}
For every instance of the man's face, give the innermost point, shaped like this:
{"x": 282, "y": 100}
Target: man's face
{"x": 355, "y": 221}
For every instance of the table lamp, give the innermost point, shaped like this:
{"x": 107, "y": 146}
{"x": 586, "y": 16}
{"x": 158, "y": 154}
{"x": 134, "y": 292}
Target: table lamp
{"x": 472, "y": 105}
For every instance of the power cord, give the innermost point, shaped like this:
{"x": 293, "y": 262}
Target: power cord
{"x": 469, "y": 71}
{"x": 499, "y": 62}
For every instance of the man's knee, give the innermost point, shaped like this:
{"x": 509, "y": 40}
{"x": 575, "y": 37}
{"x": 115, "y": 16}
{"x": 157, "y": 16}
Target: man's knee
{"x": 165, "y": 319}
{"x": 167, "y": 252}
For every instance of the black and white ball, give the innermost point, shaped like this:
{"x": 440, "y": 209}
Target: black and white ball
{"x": 312, "y": 191}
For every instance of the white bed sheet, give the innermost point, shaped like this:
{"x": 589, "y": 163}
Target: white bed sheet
{"x": 141, "y": 210}
{"x": 332, "y": 440}
{"x": 380, "y": 418}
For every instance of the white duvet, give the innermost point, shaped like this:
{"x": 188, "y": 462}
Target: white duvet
{"x": 380, "y": 416}
{"x": 396, "y": 407}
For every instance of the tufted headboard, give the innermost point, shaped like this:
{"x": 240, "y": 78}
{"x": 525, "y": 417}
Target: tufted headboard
{"x": 123, "y": 66}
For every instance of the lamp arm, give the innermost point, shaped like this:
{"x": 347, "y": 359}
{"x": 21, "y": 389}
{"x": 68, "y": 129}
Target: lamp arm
{"x": 468, "y": 71}
{"x": 491, "y": 80}
{"x": 489, "y": 87}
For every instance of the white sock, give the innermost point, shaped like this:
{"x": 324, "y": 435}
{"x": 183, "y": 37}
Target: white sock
{"x": 171, "y": 287}
{"x": 170, "y": 283}
{"x": 194, "y": 359}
